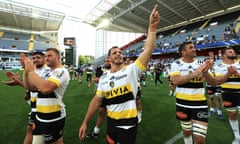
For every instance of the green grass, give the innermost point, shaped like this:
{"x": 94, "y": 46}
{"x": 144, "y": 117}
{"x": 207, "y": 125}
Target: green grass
{"x": 158, "y": 122}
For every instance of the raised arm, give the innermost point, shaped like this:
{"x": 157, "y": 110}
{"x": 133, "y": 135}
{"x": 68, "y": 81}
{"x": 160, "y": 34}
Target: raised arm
{"x": 151, "y": 37}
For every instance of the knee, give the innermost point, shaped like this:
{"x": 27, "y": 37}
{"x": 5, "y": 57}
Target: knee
{"x": 187, "y": 133}
{"x": 199, "y": 140}
{"x": 227, "y": 103}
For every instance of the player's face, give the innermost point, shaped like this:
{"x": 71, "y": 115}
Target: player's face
{"x": 116, "y": 56}
{"x": 190, "y": 51}
{"x": 38, "y": 60}
{"x": 21, "y": 58}
{"x": 107, "y": 63}
{"x": 230, "y": 54}
{"x": 51, "y": 58}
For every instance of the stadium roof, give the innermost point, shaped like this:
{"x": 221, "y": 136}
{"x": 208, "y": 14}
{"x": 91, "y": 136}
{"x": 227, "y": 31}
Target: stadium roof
{"x": 19, "y": 16}
{"x": 123, "y": 15}
{"x": 133, "y": 15}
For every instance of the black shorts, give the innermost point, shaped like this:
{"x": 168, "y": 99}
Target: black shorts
{"x": 89, "y": 77}
{"x": 51, "y": 131}
{"x": 192, "y": 110}
{"x": 32, "y": 124}
{"x": 120, "y": 135}
{"x": 232, "y": 98}
{"x": 212, "y": 90}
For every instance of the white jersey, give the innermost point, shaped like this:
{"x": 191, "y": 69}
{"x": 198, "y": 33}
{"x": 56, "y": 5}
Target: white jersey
{"x": 120, "y": 91}
{"x": 43, "y": 73}
{"x": 152, "y": 68}
{"x": 89, "y": 70}
{"x": 194, "y": 89}
{"x": 50, "y": 107}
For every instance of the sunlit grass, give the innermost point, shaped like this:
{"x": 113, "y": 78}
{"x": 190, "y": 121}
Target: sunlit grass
{"x": 158, "y": 122}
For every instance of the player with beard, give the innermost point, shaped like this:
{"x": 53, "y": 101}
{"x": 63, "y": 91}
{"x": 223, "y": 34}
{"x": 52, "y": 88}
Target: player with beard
{"x": 119, "y": 86}
{"x": 228, "y": 74}
{"x": 42, "y": 70}
{"x": 50, "y": 109}
{"x": 191, "y": 104}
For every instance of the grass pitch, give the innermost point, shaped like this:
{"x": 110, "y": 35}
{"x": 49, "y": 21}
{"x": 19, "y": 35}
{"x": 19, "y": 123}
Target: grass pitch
{"x": 157, "y": 127}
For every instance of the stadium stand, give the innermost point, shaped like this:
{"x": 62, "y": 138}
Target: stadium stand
{"x": 204, "y": 37}
{"x": 12, "y": 43}
{"x": 213, "y": 33}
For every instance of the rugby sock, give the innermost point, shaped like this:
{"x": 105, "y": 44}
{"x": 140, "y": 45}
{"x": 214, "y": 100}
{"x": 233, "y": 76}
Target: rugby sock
{"x": 235, "y": 127}
{"x": 188, "y": 140}
{"x": 139, "y": 116}
{"x": 144, "y": 83}
{"x": 38, "y": 139}
{"x": 219, "y": 112}
{"x": 174, "y": 93}
{"x": 212, "y": 109}
{"x": 96, "y": 130}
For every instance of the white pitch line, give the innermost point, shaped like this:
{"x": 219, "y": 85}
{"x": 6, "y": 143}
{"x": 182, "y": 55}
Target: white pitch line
{"x": 174, "y": 139}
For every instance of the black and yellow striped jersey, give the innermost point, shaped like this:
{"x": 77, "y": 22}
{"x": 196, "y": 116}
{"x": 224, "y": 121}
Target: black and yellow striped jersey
{"x": 43, "y": 73}
{"x": 120, "y": 90}
{"x": 233, "y": 82}
{"x": 194, "y": 89}
{"x": 51, "y": 107}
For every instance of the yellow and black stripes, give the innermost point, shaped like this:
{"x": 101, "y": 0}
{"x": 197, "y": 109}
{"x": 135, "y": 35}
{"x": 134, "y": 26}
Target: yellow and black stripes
{"x": 128, "y": 113}
{"x": 48, "y": 107}
{"x": 192, "y": 85}
{"x": 192, "y": 90}
{"x": 119, "y": 99}
{"x": 122, "y": 122}
{"x": 119, "y": 89}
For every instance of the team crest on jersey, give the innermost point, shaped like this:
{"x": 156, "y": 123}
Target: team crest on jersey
{"x": 111, "y": 84}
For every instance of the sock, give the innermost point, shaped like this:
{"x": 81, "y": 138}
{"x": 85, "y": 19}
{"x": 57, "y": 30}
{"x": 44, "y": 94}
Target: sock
{"x": 174, "y": 93}
{"x": 219, "y": 112}
{"x": 96, "y": 130}
{"x": 170, "y": 92}
{"x": 139, "y": 116}
{"x": 235, "y": 128}
{"x": 144, "y": 83}
{"x": 188, "y": 140}
{"x": 38, "y": 139}
{"x": 211, "y": 109}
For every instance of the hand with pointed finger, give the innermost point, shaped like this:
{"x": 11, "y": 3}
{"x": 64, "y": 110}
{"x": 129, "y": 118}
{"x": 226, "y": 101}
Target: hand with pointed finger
{"x": 154, "y": 17}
